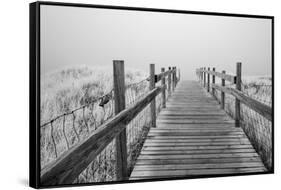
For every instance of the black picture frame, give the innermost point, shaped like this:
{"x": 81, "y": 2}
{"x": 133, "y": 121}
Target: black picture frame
{"x": 34, "y": 82}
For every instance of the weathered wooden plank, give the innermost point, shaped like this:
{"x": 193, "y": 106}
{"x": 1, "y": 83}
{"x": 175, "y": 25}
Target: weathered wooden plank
{"x": 210, "y": 132}
{"x": 198, "y": 161}
{"x": 195, "y": 140}
{"x": 198, "y": 137}
{"x": 179, "y": 100}
{"x": 194, "y": 121}
{"x": 193, "y": 115}
{"x": 195, "y": 100}
{"x": 214, "y": 151}
{"x": 229, "y": 129}
{"x": 200, "y": 125}
{"x": 195, "y": 133}
{"x": 200, "y": 107}
{"x": 149, "y": 143}
{"x": 174, "y": 173}
{"x": 198, "y": 166}
{"x": 194, "y": 110}
{"x": 190, "y": 113}
{"x": 202, "y": 131}
{"x": 194, "y": 106}
{"x": 188, "y": 142}
{"x": 190, "y": 100}
{"x": 199, "y": 129}
{"x": 198, "y": 121}
{"x": 196, "y": 126}
{"x": 196, "y": 97}
{"x": 198, "y": 147}
{"x": 194, "y": 143}
{"x": 194, "y": 118}
{"x": 191, "y": 105}
{"x": 193, "y": 126}
{"x": 66, "y": 168}
{"x": 200, "y": 117}
{"x": 182, "y": 126}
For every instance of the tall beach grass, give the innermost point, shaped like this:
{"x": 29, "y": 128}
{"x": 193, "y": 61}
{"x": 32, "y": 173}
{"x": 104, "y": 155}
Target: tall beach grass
{"x": 68, "y": 89}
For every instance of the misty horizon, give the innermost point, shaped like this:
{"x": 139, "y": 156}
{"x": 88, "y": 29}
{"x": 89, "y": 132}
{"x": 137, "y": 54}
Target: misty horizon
{"x": 96, "y": 37}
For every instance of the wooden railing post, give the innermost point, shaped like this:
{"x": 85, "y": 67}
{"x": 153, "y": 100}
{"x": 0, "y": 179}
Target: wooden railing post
{"x": 213, "y": 81}
{"x": 164, "y": 89}
{"x": 169, "y": 82}
{"x": 119, "y": 102}
{"x": 175, "y": 75}
{"x": 179, "y": 74}
{"x": 199, "y": 72}
{"x": 201, "y": 76}
{"x": 238, "y": 87}
{"x": 208, "y": 81}
{"x": 173, "y": 79}
{"x": 151, "y": 87}
{"x": 222, "y": 93}
{"x": 204, "y": 76}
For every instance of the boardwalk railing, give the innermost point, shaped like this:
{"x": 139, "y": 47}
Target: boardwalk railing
{"x": 66, "y": 168}
{"x": 261, "y": 135}
{"x": 263, "y": 109}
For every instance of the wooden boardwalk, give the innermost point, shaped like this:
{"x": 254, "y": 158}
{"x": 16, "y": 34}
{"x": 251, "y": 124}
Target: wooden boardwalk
{"x": 195, "y": 137}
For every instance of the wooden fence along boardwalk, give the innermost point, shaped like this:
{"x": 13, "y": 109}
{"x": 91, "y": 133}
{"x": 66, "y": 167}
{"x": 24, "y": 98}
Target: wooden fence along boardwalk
{"x": 194, "y": 136}
{"x": 191, "y": 136}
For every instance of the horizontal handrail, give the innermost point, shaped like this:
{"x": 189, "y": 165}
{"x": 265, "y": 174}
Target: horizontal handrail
{"x": 227, "y": 77}
{"x": 257, "y": 106}
{"x": 158, "y": 77}
{"x": 68, "y": 166}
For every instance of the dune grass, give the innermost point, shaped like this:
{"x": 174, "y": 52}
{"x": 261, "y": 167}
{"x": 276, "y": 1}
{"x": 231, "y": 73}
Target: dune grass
{"x": 68, "y": 89}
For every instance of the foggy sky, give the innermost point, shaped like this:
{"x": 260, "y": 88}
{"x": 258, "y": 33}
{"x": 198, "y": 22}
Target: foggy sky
{"x": 88, "y": 36}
